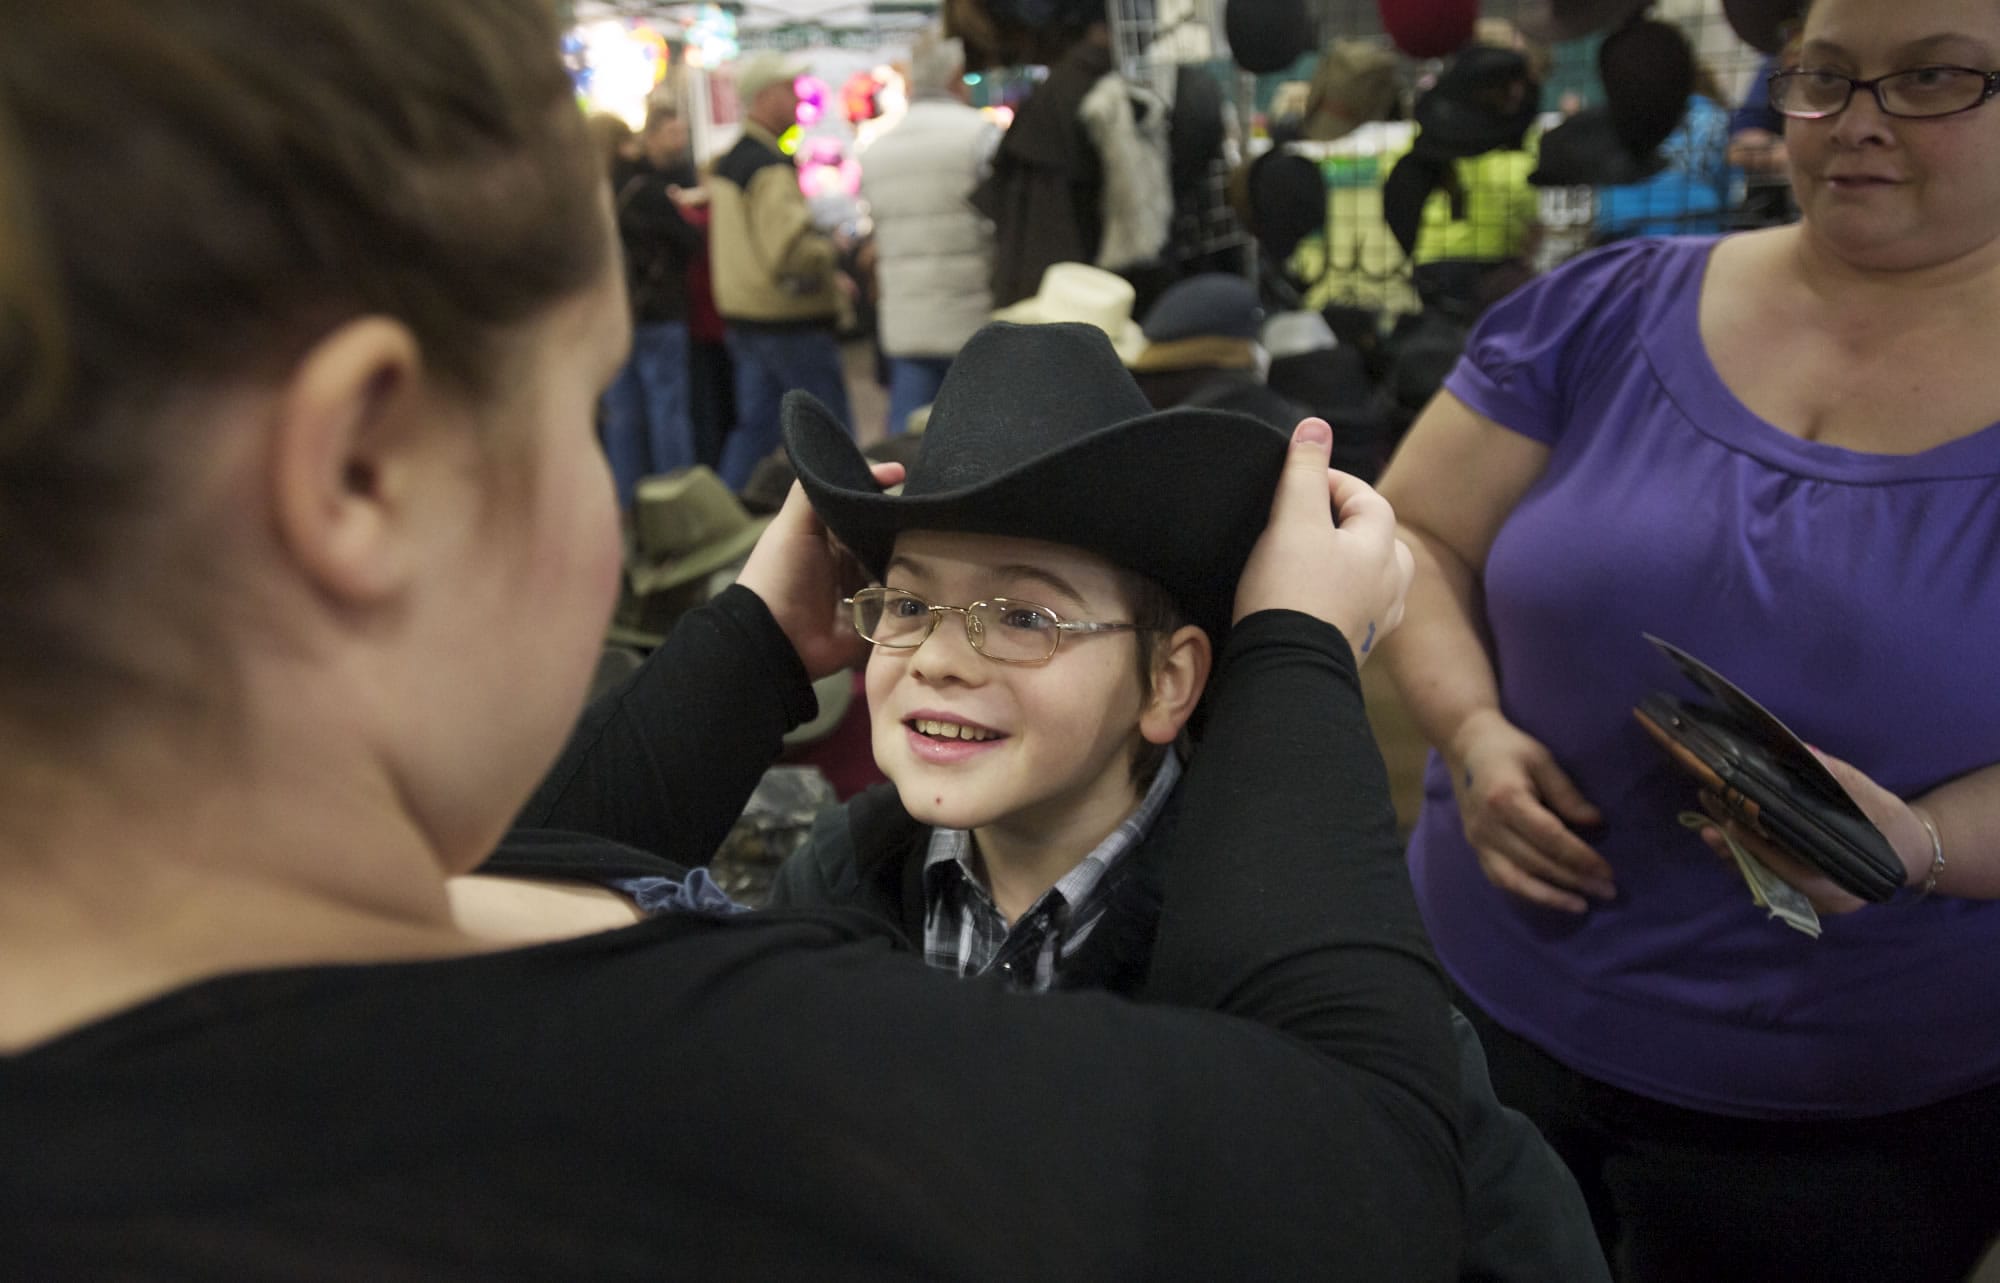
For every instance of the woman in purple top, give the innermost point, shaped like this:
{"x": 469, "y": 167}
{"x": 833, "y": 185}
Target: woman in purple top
{"x": 1779, "y": 451}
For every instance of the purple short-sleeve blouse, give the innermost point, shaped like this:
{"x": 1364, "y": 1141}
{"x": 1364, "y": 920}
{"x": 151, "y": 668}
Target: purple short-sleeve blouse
{"x": 1855, "y": 595}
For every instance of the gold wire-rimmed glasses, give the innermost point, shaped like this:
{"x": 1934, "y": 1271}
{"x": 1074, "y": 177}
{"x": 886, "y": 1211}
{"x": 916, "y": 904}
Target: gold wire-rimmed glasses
{"x": 1004, "y": 629}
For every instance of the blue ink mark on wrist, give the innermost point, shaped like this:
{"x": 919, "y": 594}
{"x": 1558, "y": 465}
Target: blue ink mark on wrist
{"x": 1368, "y": 642}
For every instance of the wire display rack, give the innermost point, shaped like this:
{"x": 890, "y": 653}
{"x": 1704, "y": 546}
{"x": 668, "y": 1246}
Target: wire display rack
{"x": 1153, "y": 40}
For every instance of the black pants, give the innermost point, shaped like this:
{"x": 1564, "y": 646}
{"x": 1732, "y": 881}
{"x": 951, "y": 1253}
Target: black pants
{"x": 1680, "y": 1196}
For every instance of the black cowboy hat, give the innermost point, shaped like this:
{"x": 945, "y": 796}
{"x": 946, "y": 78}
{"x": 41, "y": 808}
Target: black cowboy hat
{"x": 1281, "y": 198}
{"x": 1040, "y": 432}
{"x": 1267, "y": 36}
{"x": 1648, "y": 72}
{"x": 1764, "y": 25}
{"x": 1585, "y": 151}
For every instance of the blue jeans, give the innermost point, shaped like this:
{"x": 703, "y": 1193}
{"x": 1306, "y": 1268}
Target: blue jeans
{"x": 646, "y": 425}
{"x": 770, "y": 363}
{"x": 913, "y": 384}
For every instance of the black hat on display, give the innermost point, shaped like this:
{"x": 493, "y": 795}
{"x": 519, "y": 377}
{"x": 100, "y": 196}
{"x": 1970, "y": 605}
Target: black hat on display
{"x": 1208, "y": 321}
{"x": 1195, "y": 130}
{"x": 1281, "y": 198}
{"x": 1585, "y": 151}
{"x": 1474, "y": 107}
{"x": 1764, "y": 25}
{"x": 1554, "y": 21}
{"x": 1074, "y": 454}
{"x": 1648, "y": 72}
{"x": 1206, "y": 305}
{"x": 1266, "y": 36}
{"x": 1485, "y": 100}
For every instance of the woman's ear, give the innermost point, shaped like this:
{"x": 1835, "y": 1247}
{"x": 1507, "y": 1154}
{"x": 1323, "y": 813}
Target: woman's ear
{"x": 1180, "y": 674}
{"x": 346, "y": 425}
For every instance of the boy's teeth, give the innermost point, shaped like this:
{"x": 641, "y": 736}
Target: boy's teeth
{"x": 951, "y": 730}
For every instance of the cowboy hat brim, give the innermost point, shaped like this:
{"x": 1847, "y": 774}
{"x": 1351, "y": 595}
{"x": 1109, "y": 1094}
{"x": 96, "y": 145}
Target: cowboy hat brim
{"x": 1213, "y": 471}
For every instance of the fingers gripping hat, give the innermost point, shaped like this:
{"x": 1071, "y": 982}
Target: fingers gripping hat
{"x": 1039, "y": 432}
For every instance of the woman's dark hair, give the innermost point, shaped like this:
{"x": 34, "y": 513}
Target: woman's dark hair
{"x": 193, "y": 192}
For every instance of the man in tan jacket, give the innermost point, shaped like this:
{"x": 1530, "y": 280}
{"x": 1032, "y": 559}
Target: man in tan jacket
{"x": 773, "y": 271}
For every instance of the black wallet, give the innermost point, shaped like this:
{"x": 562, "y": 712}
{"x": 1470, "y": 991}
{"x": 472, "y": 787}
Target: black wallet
{"x": 1769, "y": 780}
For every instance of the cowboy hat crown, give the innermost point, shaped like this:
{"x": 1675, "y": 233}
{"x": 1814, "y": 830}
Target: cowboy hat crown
{"x": 1040, "y": 432}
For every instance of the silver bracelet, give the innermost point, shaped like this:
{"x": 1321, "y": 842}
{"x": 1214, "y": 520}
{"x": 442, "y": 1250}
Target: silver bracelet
{"x": 1937, "y": 852}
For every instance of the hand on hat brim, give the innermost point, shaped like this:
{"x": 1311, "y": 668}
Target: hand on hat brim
{"x": 1329, "y": 550}
{"x": 801, "y": 573}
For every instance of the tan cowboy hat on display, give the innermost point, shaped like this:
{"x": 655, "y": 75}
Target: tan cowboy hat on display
{"x": 1354, "y": 83}
{"x": 689, "y": 526}
{"x": 1086, "y": 294}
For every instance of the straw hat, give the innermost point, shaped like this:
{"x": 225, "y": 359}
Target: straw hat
{"x": 1085, "y": 294}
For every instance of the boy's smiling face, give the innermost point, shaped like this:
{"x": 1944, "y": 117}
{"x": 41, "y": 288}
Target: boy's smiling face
{"x": 1040, "y": 753}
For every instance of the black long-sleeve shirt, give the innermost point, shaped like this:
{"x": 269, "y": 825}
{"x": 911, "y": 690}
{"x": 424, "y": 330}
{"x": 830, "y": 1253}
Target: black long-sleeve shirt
{"x": 796, "y": 1094}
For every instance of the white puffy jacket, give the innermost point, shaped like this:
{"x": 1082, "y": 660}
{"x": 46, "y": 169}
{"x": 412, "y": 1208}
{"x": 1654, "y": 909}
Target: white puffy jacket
{"x": 934, "y": 253}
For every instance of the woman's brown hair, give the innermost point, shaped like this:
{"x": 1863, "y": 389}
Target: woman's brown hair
{"x": 192, "y": 192}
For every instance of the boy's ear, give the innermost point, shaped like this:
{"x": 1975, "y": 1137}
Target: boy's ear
{"x": 1180, "y": 674}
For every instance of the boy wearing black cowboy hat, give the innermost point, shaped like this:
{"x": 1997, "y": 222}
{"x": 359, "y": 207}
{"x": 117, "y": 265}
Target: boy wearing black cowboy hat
{"x": 1054, "y": 580}
{"x": 1053, "y": 583}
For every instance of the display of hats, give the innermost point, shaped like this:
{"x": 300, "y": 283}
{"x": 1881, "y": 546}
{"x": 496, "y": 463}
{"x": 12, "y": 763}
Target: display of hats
{"x": 1648, "y": 71}
{"x": 1585, "y": 151}
{"x": 1355, "y": 82}
{"x": 1764, "y": 25}
{"x": 1428, "y": 28}
{"x": 1554, "y": 21}
{"x": 1266, "y": 36}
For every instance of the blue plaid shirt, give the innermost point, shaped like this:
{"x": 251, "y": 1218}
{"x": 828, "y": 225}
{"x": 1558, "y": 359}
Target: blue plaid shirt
{"x": 964, "y": 931}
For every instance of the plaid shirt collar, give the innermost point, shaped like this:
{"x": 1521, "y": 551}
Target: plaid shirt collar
{"x": 965, "y": 932}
